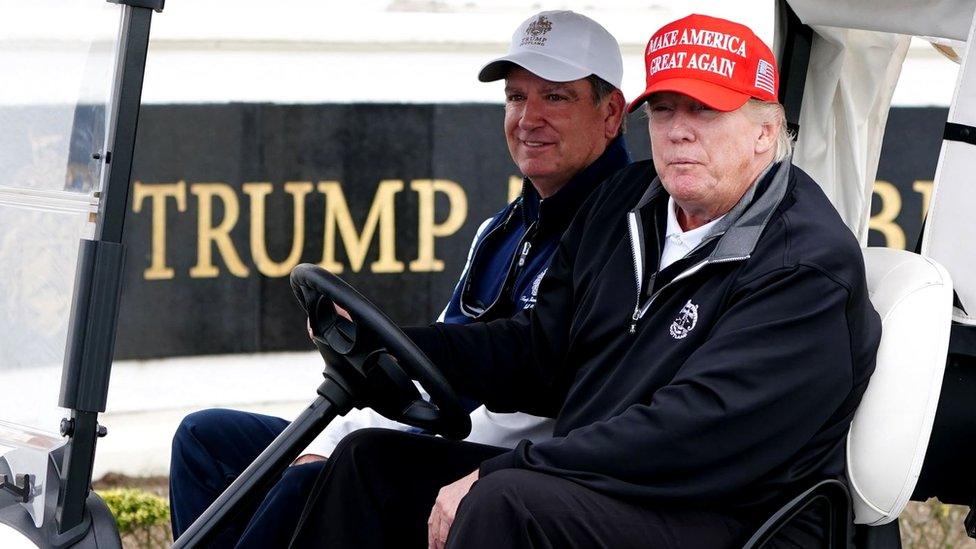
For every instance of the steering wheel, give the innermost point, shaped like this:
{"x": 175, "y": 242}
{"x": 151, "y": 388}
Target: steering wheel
{"x": 358, "y": 356}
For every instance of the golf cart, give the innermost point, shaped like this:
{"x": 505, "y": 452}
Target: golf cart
{"x": 46, "y": 498}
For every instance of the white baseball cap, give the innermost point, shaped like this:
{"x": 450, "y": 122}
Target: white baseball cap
{"x": 560, "y": 46}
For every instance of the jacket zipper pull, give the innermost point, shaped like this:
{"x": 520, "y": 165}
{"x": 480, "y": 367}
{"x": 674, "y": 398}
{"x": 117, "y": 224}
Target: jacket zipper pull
{"x": 633, "y": 318}
{"x": 524, "y": 254}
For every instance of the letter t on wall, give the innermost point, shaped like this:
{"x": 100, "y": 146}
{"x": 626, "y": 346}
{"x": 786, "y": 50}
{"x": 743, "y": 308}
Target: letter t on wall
{"x": 158, "y": 193}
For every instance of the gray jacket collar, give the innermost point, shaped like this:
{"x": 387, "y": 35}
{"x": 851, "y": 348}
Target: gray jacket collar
{"x": 739, "y": 230}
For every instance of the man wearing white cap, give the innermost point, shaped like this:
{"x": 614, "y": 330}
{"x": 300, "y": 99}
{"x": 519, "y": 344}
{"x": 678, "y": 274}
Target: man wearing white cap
{"x": 563, "y": 117}
{"x": 702, "y": 339}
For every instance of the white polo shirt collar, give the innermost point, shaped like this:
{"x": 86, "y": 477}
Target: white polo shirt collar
{"x": 677, "y": 242}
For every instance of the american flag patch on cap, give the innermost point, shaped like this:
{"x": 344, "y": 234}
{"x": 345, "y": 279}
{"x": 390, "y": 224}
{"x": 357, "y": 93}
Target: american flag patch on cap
{"x": 764, "y": 76}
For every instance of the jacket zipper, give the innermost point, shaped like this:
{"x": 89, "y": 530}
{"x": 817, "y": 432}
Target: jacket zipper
{"x": 467, "y": 280}
{"x": 640, "y": 311}
{"x": 513, "y": 267}
{"x": 525, "y": 243}
{"x": 524, "y": 254}
{"x": 633, "y": 226}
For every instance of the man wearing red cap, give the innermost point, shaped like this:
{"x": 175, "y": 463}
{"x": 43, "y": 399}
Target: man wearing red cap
{"x": 702, "y": 338}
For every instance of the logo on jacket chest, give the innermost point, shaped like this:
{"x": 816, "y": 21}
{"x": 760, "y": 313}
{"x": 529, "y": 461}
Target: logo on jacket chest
{"x": 686, "y": 321}
{"x": 529, "y": 298}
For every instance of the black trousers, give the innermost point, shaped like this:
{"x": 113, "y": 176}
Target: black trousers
{"x": 377, "y": 490}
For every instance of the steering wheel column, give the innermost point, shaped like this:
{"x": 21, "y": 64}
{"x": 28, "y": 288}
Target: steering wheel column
{"x": 360, "y": 371}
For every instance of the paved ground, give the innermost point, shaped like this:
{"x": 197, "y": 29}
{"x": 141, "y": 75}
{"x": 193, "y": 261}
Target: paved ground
{"x": 147, "y": 399}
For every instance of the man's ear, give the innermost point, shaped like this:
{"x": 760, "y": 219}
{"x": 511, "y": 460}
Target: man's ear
{"x": 615, "y": 110}
{"x": 766, "y": 141}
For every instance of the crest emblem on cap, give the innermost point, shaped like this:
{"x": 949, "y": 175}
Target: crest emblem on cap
{"x": 539, "y": 27}
{"x": 686, "y": 321}
{"x": 535, "y": 33}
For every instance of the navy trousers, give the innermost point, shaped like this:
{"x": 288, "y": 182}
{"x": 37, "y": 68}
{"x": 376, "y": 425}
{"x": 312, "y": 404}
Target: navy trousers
{"x": 210, "y": 449}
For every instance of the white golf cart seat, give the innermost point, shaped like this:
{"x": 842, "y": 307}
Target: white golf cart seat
{"x": 890, "y": 432}
{"x": 889, "y": 435}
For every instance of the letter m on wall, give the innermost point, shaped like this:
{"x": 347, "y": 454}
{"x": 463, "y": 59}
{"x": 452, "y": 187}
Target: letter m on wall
{"x": 381, "y": 218}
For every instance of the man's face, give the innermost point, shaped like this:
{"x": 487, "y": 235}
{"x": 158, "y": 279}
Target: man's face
{"x": 554, "y": 129}
{"x": 706, "y": 159}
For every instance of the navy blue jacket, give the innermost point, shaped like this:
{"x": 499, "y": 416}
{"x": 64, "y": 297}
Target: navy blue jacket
{"x": 726, "y": 381}
{"x": 512, "y": 251}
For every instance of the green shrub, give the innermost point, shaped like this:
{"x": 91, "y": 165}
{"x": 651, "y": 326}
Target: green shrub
{"x": 140, "y": 515}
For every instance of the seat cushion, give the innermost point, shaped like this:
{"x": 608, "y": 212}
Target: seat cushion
{"x": 889, "y": 435}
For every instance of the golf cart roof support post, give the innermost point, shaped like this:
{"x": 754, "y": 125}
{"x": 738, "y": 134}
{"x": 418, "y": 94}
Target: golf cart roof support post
{"x": 85, "y": 374}
{"x": 948, "y": 238}
{"x": 91, "y": 326}
{"x": 963, "y": 134}
{"x": 86, "y": 371}
{"x": 130, "y": 65}
{"x": 79, "y": 456}
{"x": 794, "y": 59}
{"x": 155, "y": 5}
{"x": 98, "y": 283}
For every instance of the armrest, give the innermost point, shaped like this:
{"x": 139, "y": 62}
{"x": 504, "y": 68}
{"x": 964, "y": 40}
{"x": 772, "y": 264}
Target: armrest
{"x": 838, "y": 499}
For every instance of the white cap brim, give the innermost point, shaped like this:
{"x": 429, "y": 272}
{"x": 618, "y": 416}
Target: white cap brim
{"x": 545, "y": 66}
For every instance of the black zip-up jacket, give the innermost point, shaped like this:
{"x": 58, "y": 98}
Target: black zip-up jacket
{"x": 727, "y": 381}
{"x": 515, "y": 264}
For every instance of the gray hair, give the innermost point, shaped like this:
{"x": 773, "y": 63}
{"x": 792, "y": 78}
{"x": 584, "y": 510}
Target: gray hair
{"x": 764, "y": 111}
{"x": 601, "y": 90}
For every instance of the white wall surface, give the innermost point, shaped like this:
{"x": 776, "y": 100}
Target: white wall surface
{"x": 305, "y": 51}
{"x": 378, "y": 50}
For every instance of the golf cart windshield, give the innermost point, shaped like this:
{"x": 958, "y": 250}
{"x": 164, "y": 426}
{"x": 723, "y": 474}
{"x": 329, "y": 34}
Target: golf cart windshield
{"x": 57, "y": 56}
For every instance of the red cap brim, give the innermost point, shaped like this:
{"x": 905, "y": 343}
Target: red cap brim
{"x": 717, "y": 97}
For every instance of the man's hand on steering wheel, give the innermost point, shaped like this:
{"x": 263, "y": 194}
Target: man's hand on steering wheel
{"x": 339, "y": 310}
{"x": 370, "y": 359}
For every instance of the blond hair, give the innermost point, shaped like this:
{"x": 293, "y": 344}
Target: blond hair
{"x": 765, "y": 111}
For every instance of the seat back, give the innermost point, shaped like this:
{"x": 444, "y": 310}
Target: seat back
{"x": 890, "y": 432}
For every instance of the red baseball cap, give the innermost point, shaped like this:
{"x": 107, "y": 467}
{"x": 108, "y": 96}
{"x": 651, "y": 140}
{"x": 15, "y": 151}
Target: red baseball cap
{"x": 715, "y": 61}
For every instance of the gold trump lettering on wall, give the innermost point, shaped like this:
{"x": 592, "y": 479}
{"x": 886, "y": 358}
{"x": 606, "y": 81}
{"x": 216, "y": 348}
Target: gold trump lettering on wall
{"x": 380, "y": 224}
{"x": 891, "y": 205}
{"x": 340, "y": 229}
